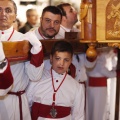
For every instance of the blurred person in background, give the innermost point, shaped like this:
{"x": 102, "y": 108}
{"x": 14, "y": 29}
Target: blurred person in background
{"x": 17, "y": 24}
{"x": 32, "y": 20}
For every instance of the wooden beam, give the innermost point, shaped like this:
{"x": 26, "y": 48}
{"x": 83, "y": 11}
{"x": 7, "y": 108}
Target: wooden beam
{"x": 15, "y": 51}
{"x": 20, "y": 50}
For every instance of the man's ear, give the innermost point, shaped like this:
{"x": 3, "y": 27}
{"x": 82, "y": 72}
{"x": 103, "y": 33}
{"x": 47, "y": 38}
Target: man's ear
{"x": 63, "y": 18}
{"x": 15, "y": 18}
{"x": 40, "y": 19}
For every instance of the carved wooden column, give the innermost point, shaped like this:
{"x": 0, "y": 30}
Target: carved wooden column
{"x": 89, "y": 23}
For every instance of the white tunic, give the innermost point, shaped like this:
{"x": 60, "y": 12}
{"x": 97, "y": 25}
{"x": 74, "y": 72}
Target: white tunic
{"x": 62, "y": 30}
{"x": 70, "y": 94}
{"x": 97, "y": 96}
{"x": 22, "y": 72}
{"x": 81, "y": 67}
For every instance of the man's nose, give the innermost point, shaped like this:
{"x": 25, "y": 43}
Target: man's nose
{"x": 52, "y": 24}
{"x": 75, "y": 12}
{"x": 61, "y": 62}
{"x": 3, "y": 12}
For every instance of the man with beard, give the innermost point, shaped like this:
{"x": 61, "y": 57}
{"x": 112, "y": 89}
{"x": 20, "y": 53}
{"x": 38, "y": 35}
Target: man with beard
{"x": 49, "y": 23}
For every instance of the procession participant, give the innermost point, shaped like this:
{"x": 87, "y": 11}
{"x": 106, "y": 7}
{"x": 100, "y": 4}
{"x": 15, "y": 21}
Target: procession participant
{"x": 49, "y": 23}
{"x": 14, "y": 77}
{"x": 69, "y": 19}
{"x": 97, "y": 83}
{"x": 52, "y": 97}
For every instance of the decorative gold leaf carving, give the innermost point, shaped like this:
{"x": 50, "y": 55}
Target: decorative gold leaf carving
{"x": 113, "y": 21}
{"x": 114, "y": 45}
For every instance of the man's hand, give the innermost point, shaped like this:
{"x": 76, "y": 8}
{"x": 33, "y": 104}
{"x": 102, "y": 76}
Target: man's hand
{"x": 36, "y": 44}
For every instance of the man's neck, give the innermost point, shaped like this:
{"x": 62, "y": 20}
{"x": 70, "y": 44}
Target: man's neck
{"x": 4, "y": 28}
{"x": 68, "y": 26}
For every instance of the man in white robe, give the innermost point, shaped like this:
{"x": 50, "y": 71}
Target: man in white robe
{"x": 15, "y": 76}
{"x": 97, "y": 84}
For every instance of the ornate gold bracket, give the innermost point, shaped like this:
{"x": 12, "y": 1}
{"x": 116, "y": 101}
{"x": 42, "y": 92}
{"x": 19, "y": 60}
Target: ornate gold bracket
{"x": 86, "y": 12}
{"x": 100, "y": 24}
{"x": 91, "y": 51}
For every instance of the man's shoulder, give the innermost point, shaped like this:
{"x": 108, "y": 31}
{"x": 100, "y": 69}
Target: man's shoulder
{"x": 25, "y": 28}
{"x": 18, "y": 33}
{"x": 60, "y": 34}
{"x": 17, "y": 36}
{"x": 22, "y": 29}
{"x": 33, "y": 29}
{"x": 75, "y": 29}
{"x": 71, "y": 79}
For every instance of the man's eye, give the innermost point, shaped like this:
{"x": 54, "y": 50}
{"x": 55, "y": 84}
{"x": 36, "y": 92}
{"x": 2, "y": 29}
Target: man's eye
{"x": 8, "y": 10}
{"x": 67, "y": 60}
{"x": 57, "y": 22}
{"x": 48, "y": 21}
{"x": 57, "y": 58}
{"x": 71, "y": 11}
{"x": 0, "y": 10}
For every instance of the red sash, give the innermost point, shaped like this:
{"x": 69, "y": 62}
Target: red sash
{"x": 97, "y": 81}
{"x": 41, "y": 110}
{"x": 19, "y": 93}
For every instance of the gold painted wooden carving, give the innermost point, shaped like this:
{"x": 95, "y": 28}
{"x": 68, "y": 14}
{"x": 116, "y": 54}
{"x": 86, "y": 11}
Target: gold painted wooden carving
{"x": 113, "y": 20}
{"x": 114, "y": 45}
{"x": 105, "y": 25}
{"x": 85, "y": 12}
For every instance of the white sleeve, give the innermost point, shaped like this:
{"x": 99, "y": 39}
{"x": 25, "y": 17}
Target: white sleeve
{"x": 30, "y": 92}
{"x": 110, "y": 74}
{"x": 80, "y": 67}
{"x": 34, "y": 73}
{"x": 4, "y": 92}
{"x": 78, "y": 109}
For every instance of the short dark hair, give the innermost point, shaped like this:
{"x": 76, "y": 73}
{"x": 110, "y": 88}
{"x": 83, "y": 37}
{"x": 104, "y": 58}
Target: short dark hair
{"x": 52, "y": 9}
{"x": 30, "y": 10}
{"x": 62, "y": 46}
{"x": 14, "y": 4}
{"x": 60, "y": 6}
